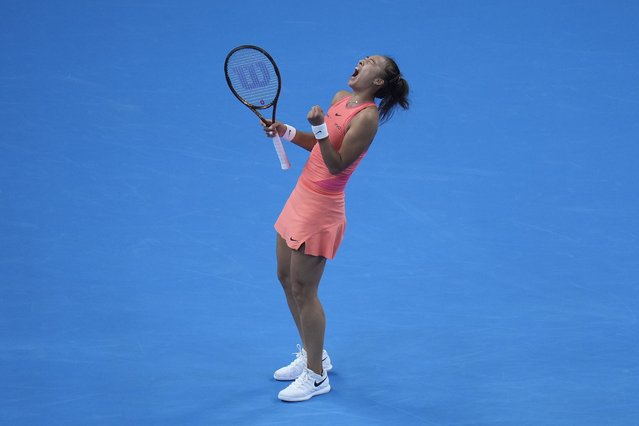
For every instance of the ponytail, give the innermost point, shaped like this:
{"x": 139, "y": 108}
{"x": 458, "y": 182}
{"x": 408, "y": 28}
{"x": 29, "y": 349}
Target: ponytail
{"x": 393, "y": 93}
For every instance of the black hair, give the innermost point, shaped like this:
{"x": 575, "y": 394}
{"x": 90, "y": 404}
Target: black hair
{"x": 393, "y": 93}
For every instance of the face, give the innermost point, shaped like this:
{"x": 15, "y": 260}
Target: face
{"x": 368, "y": 72}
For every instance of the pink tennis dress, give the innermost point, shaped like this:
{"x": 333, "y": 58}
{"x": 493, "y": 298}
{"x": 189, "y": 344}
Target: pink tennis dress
{"x": 314, "y": 214}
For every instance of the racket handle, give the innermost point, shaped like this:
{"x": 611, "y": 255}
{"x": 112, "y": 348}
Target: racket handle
{"x": 281, "y": 154}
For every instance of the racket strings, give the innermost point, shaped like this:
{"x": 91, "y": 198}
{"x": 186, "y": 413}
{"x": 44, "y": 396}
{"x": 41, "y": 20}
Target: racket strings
{"x": 253, "y": 77}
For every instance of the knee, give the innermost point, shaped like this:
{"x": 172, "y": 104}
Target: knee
{"x": 284, "y": 279}
{"x": 300, "y": 293}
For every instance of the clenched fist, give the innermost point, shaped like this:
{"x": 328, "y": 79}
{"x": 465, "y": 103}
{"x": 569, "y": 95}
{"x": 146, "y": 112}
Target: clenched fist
{"x": 315, "y": 116}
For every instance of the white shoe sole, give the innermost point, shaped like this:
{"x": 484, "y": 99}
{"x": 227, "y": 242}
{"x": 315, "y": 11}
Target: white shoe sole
{"x": 322, "y": 391}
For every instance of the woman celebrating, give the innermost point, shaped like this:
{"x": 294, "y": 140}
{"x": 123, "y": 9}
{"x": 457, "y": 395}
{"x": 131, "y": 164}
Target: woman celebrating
{"x": 312, "y": 223}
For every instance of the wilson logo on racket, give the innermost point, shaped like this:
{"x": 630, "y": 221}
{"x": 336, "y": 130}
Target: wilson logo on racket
{"x": 253, "y": 76}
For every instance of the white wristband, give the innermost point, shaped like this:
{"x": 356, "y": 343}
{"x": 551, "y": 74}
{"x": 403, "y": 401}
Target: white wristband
{"x": 290, "y": 133}
{"x": 320, "y": 132}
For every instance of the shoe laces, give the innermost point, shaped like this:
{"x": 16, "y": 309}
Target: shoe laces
{"x": 299, "y": 357}
{"x": 301, "y": 381}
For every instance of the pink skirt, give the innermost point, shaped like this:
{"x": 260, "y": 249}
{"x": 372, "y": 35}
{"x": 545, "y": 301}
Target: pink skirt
{"x": 313, "y": 217}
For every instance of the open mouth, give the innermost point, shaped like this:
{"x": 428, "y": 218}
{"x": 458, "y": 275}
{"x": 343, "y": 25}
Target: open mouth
{"x": 355, "y": 72}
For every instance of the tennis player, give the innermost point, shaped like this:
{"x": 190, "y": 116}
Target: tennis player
{"x": 312, "y": 223}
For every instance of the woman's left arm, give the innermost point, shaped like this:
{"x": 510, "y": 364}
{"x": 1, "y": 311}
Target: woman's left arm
{"x": 358, "y": 138}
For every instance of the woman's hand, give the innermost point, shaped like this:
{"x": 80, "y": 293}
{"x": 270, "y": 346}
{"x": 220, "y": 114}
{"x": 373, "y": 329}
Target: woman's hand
{"x": 315, "y": 116}
{"x": 272, "y": 128}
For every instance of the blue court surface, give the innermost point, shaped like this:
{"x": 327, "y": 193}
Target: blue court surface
{"x": 489, "y": 273}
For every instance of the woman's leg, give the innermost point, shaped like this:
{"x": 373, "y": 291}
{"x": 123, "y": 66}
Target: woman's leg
{"x": 283, "y": 253}
{"x": 305, "y": 275}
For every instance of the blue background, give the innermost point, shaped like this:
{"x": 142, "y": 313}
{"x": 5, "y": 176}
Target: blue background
{"x": 489, "y": 274}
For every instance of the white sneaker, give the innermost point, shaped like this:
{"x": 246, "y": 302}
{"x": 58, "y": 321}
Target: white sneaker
{"x": 306, "y": 386}
{"x": 297, "y": 366}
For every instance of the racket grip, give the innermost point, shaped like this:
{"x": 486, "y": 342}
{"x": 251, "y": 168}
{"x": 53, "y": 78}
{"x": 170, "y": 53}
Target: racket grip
{"x": 281, "y": 154}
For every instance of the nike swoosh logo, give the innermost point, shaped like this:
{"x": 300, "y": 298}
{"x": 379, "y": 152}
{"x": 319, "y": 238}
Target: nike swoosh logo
{"x": 317, "y": 384}
{"x": 319, "y": 131}
{"x": 291, "y": 238}
{"x": 325, "y": 359}
{"x": 337, "y": 114}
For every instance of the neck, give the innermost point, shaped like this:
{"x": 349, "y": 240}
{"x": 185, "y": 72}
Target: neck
{"x": 360, "y": 98}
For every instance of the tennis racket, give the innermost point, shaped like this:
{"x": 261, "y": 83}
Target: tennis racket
{"x": 254, "y": 79}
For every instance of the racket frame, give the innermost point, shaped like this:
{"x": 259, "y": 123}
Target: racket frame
{"x": 277, "y": 143}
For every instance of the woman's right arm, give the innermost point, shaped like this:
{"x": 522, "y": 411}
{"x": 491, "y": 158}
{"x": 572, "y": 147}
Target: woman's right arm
{"x": 304, "y": 139}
